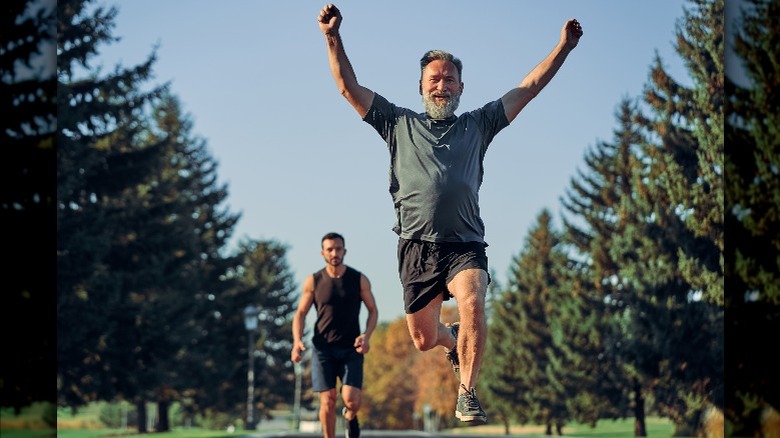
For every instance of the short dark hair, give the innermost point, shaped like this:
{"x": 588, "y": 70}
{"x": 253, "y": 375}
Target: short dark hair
{"x": 332, "y": 236}
{"x": 441, "y": 55}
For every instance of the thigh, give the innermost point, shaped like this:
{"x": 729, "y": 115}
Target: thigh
{"x": 352, "y": 375}
{"x": 469, "y": 283}
{"x": 350, "y": 394}
{"x": 422, "y": 274}
{"x": 424, "y": 323}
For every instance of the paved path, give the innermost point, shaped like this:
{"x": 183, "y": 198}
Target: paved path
{"x": 377, "y": 434}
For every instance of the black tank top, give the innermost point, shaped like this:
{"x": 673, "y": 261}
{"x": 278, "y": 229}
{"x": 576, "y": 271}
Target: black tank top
{"x": 337, "y": 301}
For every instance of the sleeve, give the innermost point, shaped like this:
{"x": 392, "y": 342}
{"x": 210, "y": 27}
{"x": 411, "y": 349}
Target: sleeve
{"x": 381, "y": 116}
{"x": 491, "y": 119}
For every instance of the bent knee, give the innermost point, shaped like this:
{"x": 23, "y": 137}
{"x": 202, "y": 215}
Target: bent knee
{"x": 423, "y": 342}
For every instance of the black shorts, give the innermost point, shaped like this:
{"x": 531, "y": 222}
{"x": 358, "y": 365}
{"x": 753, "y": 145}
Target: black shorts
{"x": 329, "y": 363}
{"x": 425, "y": 268}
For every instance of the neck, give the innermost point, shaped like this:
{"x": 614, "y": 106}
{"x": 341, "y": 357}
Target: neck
{"x": 335, "y": 271}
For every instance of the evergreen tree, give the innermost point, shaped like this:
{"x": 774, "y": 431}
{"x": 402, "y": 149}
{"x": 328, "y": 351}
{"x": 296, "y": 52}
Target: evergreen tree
{"x": 522, "y": 372}
{"x": 27, "y": 202}
{"x": 268, "y": 282}
{"x": 100, "y": 153}
{"x": 673, "y": 322}
{"x": 752, "y": 192}
{"x": 188, "y": 227}
{"x": 596, "y": 292}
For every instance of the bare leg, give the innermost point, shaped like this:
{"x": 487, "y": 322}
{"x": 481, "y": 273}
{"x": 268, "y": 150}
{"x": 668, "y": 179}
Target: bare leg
{"x": 425, "y": 328}
{"x": 469, "y": 288}
{"x": 328, "y": 413}
{"x": 352, "y": 399}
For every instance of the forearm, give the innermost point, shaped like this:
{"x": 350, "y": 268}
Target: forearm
{"x": 517, "y": 98}
{"x": 340, "y": 67}
{"x": 297, "y": 328}
{"x": 371, "y": 322}
{"x": 358, "y": 96}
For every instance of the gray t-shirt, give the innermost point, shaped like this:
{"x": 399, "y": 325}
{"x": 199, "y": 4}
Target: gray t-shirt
{"x": 436, "y": 168}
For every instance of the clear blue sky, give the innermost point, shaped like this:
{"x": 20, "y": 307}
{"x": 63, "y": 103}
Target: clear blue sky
{"x": 298, "y": 160}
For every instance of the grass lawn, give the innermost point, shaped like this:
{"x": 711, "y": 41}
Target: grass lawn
{"x": 656, "y": 427}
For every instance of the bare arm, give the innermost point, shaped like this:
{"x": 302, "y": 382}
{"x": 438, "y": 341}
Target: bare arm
{"x": 299, "y": 319}
{"x": 362, "y": 342}
{"x": 358, "y": 96}
{"x": 517, "y": 98}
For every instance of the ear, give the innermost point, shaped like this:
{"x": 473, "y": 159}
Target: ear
{"x": 420, "y": 87}
{"x": 461, "y": 87}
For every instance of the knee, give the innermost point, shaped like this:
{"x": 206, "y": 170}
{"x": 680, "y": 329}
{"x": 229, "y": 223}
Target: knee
{"x": 424, "y": 341}
{"x": 352, "y": 403}
{"x": 328, "y": 403}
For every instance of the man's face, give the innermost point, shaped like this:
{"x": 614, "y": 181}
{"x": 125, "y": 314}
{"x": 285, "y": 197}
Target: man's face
{"x": 333, "y": 251}
{"x": 441, "y": 88}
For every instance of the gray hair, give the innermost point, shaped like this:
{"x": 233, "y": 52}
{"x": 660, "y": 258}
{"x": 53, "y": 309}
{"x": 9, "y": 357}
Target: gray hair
{"x": 441, "y": 55}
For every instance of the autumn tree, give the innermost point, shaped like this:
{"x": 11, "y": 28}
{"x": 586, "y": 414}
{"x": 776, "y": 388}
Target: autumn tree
{"x": 389, "y": 394}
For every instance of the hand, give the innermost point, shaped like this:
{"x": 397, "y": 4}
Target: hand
{"x": 329, "y": 19}
{"x": 571, "y": 33}
{"x": 295, "y": 354}
{"x": 361, "y": 344}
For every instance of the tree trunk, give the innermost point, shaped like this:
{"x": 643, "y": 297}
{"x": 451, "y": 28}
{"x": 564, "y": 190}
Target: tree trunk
{"x": 163, "y": 425}
{"x": 140, "y": 406}
{"x": 639, "y": 410}
{"x": 559, "y": 429}
{"x": 548, "y": 429}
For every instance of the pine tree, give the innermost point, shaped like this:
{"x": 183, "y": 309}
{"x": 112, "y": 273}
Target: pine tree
{"x": 752, "y": 192}
{"x": 596, "y": 290}
{"x": 521, "y": 348}
{"x": 268, "y": 282}
{"x": 670, "y": 251}
{"x": 100, "y": 153}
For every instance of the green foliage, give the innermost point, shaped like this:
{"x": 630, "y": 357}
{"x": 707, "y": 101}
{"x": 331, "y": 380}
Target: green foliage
{"x": 596, "y": 290}
{"x": 149, "y": 302}
{"x": 111, "y": 415}
{"x": 670, "y": 252}
{"x": 49, "y": 415}
{"x": 523, "y": 384}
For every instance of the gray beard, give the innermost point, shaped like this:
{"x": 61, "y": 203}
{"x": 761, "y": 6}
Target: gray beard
{"x": 440, "y": 112}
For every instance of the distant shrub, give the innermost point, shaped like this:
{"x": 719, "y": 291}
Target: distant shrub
{"x": 49, "y": 415}
{"x": 111, "y": 415}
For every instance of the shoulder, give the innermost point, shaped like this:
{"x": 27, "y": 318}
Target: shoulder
{"x": 315, "y": 277}
{"x": 492, "y": 114}
{"x": 381, "y": 106}
{"x": 309, "y": 282}
{"x": 353, "y": 271}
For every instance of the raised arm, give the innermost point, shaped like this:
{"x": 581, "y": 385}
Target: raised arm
{"x": 517, "y": 98}
{"x": 358, "y": 96}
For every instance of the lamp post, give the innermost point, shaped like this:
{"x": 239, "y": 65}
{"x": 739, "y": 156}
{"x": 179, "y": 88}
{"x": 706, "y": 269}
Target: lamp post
{"x": 250, "y": 323}
{"x": 297, "y": 403}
